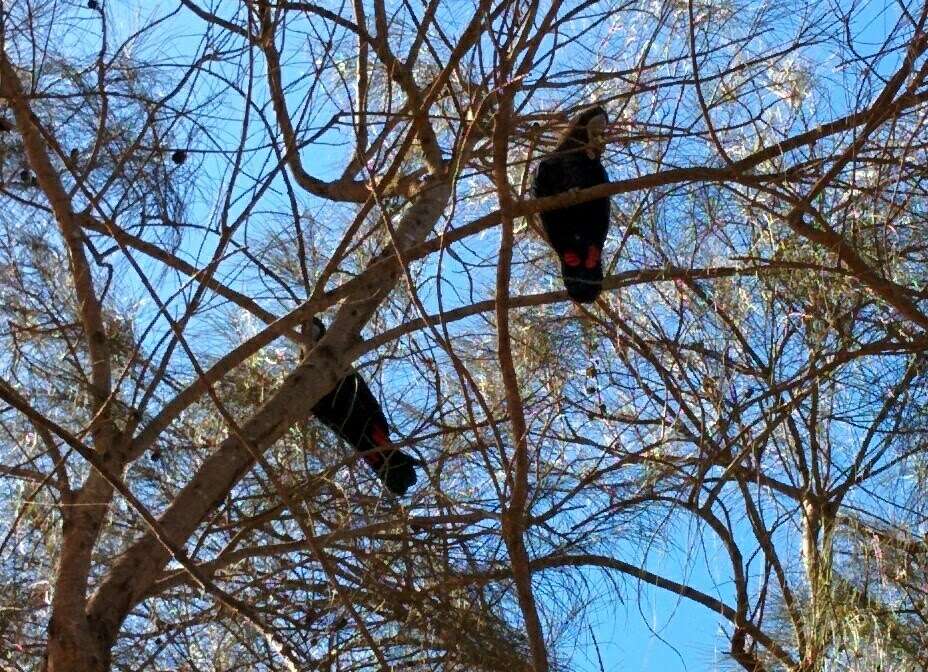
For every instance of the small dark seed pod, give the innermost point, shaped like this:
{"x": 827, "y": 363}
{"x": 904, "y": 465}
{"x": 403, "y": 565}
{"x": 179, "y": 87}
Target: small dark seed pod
{"x": 93, "y": 4}
{"x": 179, "y": 156}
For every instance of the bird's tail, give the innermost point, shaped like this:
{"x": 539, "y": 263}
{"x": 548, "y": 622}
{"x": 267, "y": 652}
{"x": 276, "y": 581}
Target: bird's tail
{"x": 583, "y": 274}
{"x": 395, "y": 468}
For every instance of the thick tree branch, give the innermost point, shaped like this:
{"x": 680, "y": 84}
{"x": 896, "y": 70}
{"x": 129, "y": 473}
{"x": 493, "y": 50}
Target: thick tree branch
{"x": 132, "y": 576}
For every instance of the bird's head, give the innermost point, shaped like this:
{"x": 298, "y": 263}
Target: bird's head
{"x": 313, "y": 331}
{"x": 595, "y": 119}
{"x": 589, "y": 129}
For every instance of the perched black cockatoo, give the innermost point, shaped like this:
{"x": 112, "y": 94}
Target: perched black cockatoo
{"x": 352, "y": 411}
{"x": 577, "y": 232}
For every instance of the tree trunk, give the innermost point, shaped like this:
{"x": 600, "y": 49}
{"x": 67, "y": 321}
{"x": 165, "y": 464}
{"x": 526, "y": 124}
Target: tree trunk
{"x": 76, "y": 647}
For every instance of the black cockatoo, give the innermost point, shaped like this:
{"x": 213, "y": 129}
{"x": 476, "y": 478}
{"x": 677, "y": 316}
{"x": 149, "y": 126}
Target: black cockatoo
{"x": 352, "y": 411}
{"x": 577, "y": 232}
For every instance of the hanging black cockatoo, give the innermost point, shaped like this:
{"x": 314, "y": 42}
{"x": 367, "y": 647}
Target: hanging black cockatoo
{"x": 352, "y": 411}
{"x": 577, "y": 232}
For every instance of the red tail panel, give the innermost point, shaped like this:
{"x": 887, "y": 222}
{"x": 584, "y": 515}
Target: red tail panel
{"x": 379, "y": 435}
{"x": 571, "y": 259}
